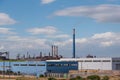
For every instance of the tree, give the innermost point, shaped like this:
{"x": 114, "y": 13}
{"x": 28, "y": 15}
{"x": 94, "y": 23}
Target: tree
{"x": 93, "y": 77}
{"x": 105, "y": 78}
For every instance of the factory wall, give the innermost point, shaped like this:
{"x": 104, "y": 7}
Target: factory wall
{"x": 115, "y": 63}
{"x": 95, "y": 65}
{"x": 30, "y": 67}
{"x": 39, "y": 67}
{"x": 25, "y": 67}
{"x": 5, "y": 67}
{"x": 92, "y": 63}
{"x": 61, "y": 66}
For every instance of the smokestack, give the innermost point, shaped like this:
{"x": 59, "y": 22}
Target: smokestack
{"x": 27, "y": 55}
{"x": 52, "y": 50}
{"x": 73, "y": 43}
{"x": 49, "y": 54}
{"x": 56, "y": 50}
{"x": 40, "y": 54}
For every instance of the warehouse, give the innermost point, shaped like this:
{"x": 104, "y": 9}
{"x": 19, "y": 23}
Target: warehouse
{"x": 96, "y": 63}
{"x": 64, "y": 65}
{"x": 57, "y": 66}
{"x": 24, "y": 67}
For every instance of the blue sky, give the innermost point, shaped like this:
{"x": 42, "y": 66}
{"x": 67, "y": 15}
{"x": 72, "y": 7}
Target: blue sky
{"x": 34, "y": 25}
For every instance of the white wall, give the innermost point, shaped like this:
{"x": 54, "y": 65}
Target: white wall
{"x": 91, "y": 65}
{"x": 95, "y": 65}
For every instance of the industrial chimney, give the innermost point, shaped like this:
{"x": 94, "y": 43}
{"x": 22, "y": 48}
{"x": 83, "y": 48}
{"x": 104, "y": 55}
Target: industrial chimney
{"x": 56, "y": 50}
{"x": 54, "y": 47}
{"x": 73, "y": 43}
{"x": 52, "y": 50}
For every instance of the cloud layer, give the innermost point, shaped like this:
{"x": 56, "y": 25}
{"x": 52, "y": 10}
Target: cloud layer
{"x": 47, "y": 1}
{"x": 101, "y": 13}
{"x": 6, "y": 31}
{"x": 5, "y": 19}
{"x": 96, "y": 44}
{"x": 44, "y": 30}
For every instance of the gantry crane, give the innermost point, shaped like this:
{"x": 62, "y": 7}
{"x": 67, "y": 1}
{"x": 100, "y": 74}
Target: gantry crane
{"x": 5, "y": 53}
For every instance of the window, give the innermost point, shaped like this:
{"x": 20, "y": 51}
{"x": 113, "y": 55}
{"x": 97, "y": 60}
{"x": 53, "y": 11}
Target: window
{"x": 58, "y": 65}
{"x": 88, "y": 60}
{"x": 16, "y": 64}
{"x": 66, "y": 64}
{"x": 32, "y": 64}
{"x": 116, "y": 61}
{"x": 73, "y": 64}
{"x": 117, "y": 66}
{"x": 41, "y": 65}
{"x": 96, "y": 60}
{"x": 51, "y": 65}
{"x": 106, "y": 60}
{"x": 80, "y": 61}
{"x": 23, "y": 64}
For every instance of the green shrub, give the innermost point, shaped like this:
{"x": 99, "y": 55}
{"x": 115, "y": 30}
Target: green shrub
{"x": 79, "y": 78}
{"x": 41, "y": 75}
{"x": 105, "y": 78}
{"x": 72, "y": 78}
{"x": 93, "y": 77}
{"x": 51, "y": 79}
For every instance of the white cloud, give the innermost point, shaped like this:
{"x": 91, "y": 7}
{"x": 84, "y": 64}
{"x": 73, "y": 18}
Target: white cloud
{"x": 107, "y": 43}
{"x": 102, "y": 39}
{"x": 104, "y": 35}
{"x": 102, "y": 44}
{"x": 25, "y": 40}
{"x": 83, "y": 40}
{"x": 6, "y": 31}
{"x": 14, "y": 43}
{"x": 16, "y": 38}
{"x": 5, "y": 19}
{"x": 106, "y": 39}
{"x": 1, "y": 47}
{"x": 69, "y": 41}
{"x": 47, "y": 1}
{"x": 45, "y": 30}
{"x": 101, "y": 13}
{"x": 60, "y": 36}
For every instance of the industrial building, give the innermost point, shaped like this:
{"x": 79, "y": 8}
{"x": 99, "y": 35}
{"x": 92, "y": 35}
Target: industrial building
{"x": 96, "y": 63}
{"x": 24, "y": 67}
{"x": 58, "y": 66}
{"x": 64, "y": 65}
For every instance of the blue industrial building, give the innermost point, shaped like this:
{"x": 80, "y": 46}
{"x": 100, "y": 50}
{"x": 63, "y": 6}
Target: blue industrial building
{"x": 24, "y": 67}
{"x": 29, "y": 67}
{"x": 61, "y": 66}
{"x": 39, "y": 67}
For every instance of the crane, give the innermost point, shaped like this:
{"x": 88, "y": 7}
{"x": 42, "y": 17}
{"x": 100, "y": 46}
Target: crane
{"x": 6, "y": 54}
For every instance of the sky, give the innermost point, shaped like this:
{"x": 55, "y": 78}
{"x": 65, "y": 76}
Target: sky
{"x": 34, "y": 25}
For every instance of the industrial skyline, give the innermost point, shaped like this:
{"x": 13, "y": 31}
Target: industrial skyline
{"x": 35, "y": 25}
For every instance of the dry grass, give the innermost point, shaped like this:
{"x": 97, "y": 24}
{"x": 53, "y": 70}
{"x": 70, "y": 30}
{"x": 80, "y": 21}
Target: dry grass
{"x": 33, "y": 78}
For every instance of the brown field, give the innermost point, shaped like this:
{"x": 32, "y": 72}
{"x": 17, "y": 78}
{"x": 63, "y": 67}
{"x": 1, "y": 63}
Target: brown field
{"x": 6, "y": 77}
